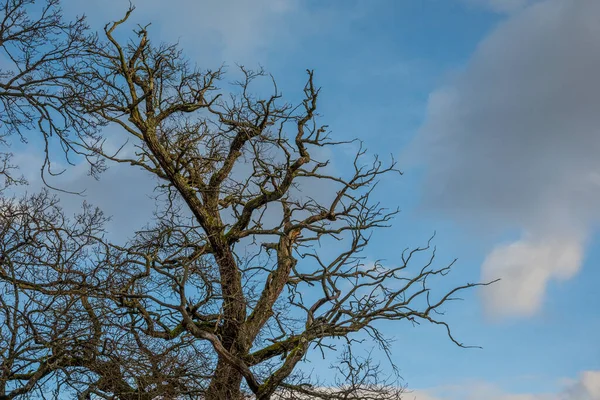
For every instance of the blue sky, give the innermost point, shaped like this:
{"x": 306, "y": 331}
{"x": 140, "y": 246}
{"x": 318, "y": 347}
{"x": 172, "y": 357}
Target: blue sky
{"x": 490, "y": 106}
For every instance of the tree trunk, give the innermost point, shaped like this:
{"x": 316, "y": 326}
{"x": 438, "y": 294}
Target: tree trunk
{"x": 225, "y": 384}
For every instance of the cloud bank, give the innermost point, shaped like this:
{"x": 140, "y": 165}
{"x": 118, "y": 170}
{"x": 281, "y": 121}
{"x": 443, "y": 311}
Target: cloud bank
{"x": 586, "y": 387}
{"x": 512, "y": 143}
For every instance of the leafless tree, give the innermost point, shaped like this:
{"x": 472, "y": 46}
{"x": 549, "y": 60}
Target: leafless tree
{"x": 57, "y": 334}
{"x": 237, "y": 259}
{"x": 54, "y": 336}
{"x": 39, "y": 333}
{"x": 246, "y": 268}
{"x": 39, "y": 53}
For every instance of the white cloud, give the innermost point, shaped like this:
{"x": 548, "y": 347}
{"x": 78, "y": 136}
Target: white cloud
{"x": 586, "y": 387}
{"x": 512, "y": 144}
{"x": 525, "y": 267}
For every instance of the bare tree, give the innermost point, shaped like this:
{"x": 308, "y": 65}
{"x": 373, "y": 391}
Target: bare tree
{"x": 245, "y": 269}
{"x": 39, "y": 333}
{"x": 39, "y": 53}
{"x": 56, "y": 333}
{"x": 54, "y": 336}
{"x": 236, "y": 258}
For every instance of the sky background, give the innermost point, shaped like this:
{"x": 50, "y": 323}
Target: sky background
{"x": 491, "y": 108}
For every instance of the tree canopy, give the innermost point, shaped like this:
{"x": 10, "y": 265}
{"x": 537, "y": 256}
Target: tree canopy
{"x": 244, "y": 270}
